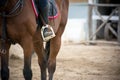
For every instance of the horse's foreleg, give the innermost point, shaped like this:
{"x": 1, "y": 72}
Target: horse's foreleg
{"x": 54, "y": 49}
{"x": 28, "y": 48}
{"x": 4, "y": 64}
{"x": 27, "y": 72}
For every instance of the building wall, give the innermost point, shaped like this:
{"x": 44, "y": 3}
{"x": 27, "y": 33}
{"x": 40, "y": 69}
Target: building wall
{"x": 76, "y": 29}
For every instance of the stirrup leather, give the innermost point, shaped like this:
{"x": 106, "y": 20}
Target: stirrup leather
{"x": 45, "y": 39}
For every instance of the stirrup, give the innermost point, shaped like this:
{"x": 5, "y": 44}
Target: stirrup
{"x": 45, "y": 39}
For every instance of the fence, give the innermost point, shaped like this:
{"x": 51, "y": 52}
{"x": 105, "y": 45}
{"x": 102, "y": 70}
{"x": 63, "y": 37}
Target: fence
{"x": 105, "y": 19}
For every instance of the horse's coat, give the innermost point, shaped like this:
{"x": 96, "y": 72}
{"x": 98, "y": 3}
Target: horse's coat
{"x": 22, "y": 29}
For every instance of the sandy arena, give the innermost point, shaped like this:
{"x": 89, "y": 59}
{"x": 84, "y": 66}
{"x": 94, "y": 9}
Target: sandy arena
{"x": 77, "y": 62}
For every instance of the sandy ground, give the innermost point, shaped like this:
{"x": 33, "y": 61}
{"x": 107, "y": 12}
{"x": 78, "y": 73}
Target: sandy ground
{"x": 77, "y": 62}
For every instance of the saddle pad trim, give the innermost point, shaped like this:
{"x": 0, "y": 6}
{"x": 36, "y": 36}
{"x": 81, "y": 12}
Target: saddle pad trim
{"x": 34, "y": 8}
{"x": 53, "y": 17}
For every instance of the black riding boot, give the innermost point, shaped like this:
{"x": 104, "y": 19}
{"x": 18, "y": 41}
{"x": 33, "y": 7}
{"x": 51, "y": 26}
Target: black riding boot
{"x": 46, "y": 30}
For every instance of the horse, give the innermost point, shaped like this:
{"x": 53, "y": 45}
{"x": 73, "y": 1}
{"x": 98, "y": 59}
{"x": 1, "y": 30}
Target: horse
{"x": 20, "y": 27}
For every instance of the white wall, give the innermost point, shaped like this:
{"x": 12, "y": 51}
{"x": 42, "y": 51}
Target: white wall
{"x": 76, "y": 28}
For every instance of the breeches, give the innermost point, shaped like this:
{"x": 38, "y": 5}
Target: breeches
{"x": 43, "y": 3}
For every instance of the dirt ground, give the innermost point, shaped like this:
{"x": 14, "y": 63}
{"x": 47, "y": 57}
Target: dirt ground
{"x": 77, "y": 62}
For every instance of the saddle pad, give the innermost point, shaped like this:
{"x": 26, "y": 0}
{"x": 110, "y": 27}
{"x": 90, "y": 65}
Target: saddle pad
{"x": 53, "y": 13}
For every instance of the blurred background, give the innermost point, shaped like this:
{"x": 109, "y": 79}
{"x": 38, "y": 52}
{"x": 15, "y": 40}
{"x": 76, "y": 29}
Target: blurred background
{"x": 83, "y": 23}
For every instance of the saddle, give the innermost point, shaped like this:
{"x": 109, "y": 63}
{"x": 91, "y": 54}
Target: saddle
{"x": 53, "y": 13}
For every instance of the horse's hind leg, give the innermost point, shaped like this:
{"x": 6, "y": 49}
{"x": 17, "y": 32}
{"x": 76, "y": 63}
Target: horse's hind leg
{"x": 54, "y": 49}
{"x": 28, "y": 48}
{"x": 55, "y": 45}
{"x": 4, "y": 64}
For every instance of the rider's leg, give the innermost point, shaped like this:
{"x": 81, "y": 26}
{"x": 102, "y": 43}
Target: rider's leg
{"x": 47, "y": 32}
{"x": 43, "y": 5}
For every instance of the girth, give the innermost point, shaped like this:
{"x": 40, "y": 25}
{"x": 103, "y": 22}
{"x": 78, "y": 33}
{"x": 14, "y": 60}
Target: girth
{"x": 4, "y": 34}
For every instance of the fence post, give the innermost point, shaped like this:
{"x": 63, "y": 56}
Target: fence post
{"x": 90, "y": 7}
{"x": 119, "y": 24}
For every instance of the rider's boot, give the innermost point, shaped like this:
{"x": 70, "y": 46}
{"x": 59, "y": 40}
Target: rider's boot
{"x": 46, "y": 30}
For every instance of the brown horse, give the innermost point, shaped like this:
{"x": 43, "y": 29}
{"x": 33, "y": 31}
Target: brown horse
{"x": 22, "y": 29}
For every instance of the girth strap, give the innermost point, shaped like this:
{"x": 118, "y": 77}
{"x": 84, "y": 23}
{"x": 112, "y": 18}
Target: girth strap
{"x": 4, "y": 34}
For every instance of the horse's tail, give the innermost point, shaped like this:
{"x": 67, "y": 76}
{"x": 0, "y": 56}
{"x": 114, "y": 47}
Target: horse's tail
{"x": 47, "y": 50}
